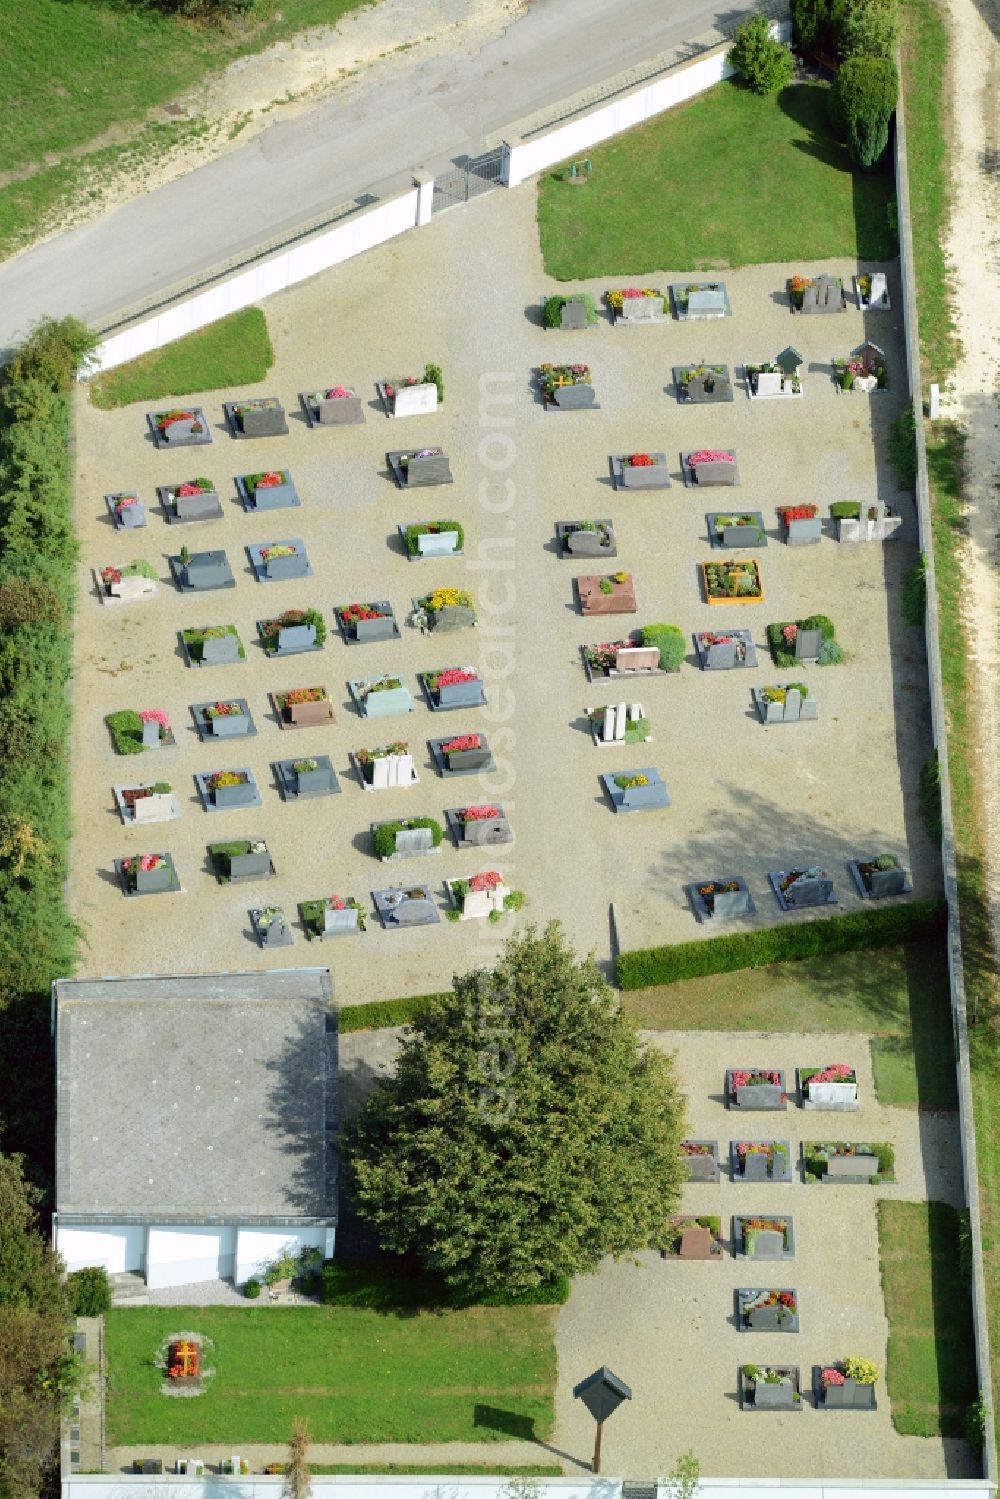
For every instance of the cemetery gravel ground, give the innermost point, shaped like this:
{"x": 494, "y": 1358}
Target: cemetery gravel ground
{"x": 744, "y": 798}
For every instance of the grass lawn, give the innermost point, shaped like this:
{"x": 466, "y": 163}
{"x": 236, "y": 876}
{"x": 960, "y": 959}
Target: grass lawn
{"x": 931, "y": 1373}
{"x": 897, "y": 995}
{"x": 729, "y": 179}
{"x": 480, "y": 1375}
{"x": 234, "y": 351}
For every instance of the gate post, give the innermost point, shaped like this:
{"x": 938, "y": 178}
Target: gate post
{"x": 425, "y": 197}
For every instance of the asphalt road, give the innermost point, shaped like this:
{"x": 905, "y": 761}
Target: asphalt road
{"x": 300, "y": 167}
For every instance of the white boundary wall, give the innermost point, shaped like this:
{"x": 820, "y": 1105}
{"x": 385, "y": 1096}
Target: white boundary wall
{"x": 431, "y": 1486}
{"x": 297, "y": 263}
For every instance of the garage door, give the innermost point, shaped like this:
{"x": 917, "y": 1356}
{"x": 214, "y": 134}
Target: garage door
{"x": 183, "y": 1254}
{"x": 115, "y": 1247}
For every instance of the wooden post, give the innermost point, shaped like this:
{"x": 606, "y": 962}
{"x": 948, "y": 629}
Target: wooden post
{"x": 597, "y": 1447}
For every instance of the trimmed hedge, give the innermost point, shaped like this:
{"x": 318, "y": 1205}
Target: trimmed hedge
{"x": 387, "y": 1285}
{"x": 379, "y": 1014}
{"x": 916, "y": 921}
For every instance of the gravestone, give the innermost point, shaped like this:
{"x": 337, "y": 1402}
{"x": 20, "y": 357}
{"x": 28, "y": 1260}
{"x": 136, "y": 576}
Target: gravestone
{"x": 621, "y": 716}
{"x": 573, "y": 314}
{"x": 696, "y": 1243}
{"x": 609, "y": 732}
{"x": 437, "y": 543}
{"x": 773, "y": 712}
{"x": 642, "y": 310}
{"x": 414, "y": 841}
{"x": 829, "y": 296}
{"x": 482, "y": 832}
{"x": 433, "y": 469}
{"x": 701, "y": 1168}
{"x": 336, "y": 923}
{"x": 296, "y": 638}
{"x": 452, "y": 617}
{"x": 878, "y": 294}
{"x": 309, "y": 714}
{"x": 150, "y": 881}
{"x": 755, "y": 1167}
{"x": 721, "y": 657}
{"x": 401, "y": 770}
{"x": 275, "y": 933}
{"x": 634, "y": 797}
{"x": 312, "y": 782}
{"x": 851, "y": 1167}
{"x": 387, "y": 702}
{"x": 201, "y": 506}
{"x": 243, "y": 866}
{"x": 273, "y": 496}
{"x": 773, "y": 1396}
{"x": 176, "y": 434}
{"x": 150, "y": 734}
{"x": 383, "y": 628}
{"x": 131, "y": 517}
{"x": 461, "y": 694}
{"x": 718, "y": 473}
{"x": 769, "y": 383}
{"x": 804, "y": 532}
{"x": 341, "y": 411}
{"x": 414, "y": 912}
{"x": 588, "y": 543}
{"x": 731, "y": 902}
{"x": 735, "y": 536}
{"x": 646, "y": 475}
{"x": 707, "y": 303}
{"x": 810, "y": 298}
{"x": 574, "y": 397}
{"x": 477, "y": 903}
{"x": 218, "y": 650}
{"x": 262, "y": 421}
{"x": 793, "y": 703}
{"x": 832, "y": 1095}
{"x": 471, "y": 759}
{"x": 807, "y": 644}
{"x": 807, "y": 709}
{"x": 810, "y": 891}
{"x": 702, "y": 389}
{"x": 632, "y": 659}
{"x": 229, "y": 725}
{"x": 760, "y": 1096}
{"x": 789, "y": 361}
{"x": 295, "y": 566}
{"x": 415, "y": 400}
{"x": 887, "y": 882}
{"x": 382, "y": 776}
{"x": 155, "y": 808}
{"x": 207, "y": 570}
{"x": 240, "y": 795}
{"x": 769, "y": 1319}
{"x": 769, "y": 1245}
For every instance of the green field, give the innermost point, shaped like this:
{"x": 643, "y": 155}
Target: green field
{"x": 931, "y": 1360}
{"x": 896, "y": 995}
{"x": 235, "y": 351}
{"x": 86, "y": 74}
{"x": 480, "y": 1375}
{"x": 730, "y": 179}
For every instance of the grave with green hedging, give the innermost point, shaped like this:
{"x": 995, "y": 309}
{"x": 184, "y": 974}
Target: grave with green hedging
{"x": 916, "y": 921}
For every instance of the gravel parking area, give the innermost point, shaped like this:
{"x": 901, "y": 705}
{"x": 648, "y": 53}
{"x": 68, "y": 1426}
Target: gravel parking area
{"x": 464, "y": 293}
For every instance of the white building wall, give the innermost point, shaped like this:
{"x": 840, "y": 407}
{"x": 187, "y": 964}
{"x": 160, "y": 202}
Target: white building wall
{"x": 256, "y": 1247}
{"x": 429, "y": 1486}
{"x": 184, "y": 1254}
{"x": 116, "y": 1247}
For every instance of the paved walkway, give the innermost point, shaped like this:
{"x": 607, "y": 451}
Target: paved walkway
{"x": 444, "y": 1455}
{"x": 91, "y": 1413}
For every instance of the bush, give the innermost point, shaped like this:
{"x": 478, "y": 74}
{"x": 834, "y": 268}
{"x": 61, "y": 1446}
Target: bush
{"x": 903, "y": 447}
{"x": 914, "y": 599}
{"x": 433, "y": 376}
{"x": 816, "y": 24}
{"x": 126, "y": 731}
{"x": 384, "y": 836}
{"x": 670, "y": 643}
{"x": 764, "y": 64}
{"x": 930, "y": 796}
{"x": 871, "y": 28}
{"x": 89, "y": 1291}
{"x": 862, "y": 99}
{"x": 916, "y": 921}
{"x": 846, "y": 510}
{"x": 401, "y": 1284}
{"x": 55, "y": 351}
{"x": 378, "y": 1014}
{"x": 251, "y": 1289}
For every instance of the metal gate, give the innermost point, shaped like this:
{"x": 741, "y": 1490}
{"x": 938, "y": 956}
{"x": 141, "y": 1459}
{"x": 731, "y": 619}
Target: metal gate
{"x": 471, "y": 176}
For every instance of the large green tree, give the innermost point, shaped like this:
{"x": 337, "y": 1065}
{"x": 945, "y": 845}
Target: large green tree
{"x": 37, "y": 1370}
{"x": 862, "y": 101}
{"x": 526, "y": 1132}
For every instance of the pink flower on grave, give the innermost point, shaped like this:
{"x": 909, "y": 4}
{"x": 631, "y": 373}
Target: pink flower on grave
{"x": 829, "y": 1377}
{"x": 154, "y": 715}
{"x": 453, "y": 676}
{"x": 488, "y": 880}
{"x": 125, "y": 500}
{"x": 110, "y": 575}
{"x": 839, "y": 1072}
{"x": 709, "y": 455}
{"x": 462, "y": 742}
{"x": 633, "y": 291}
{"x": 390, "y": 390}
{"x": 336, "y": 903}
{"x": 270, "y": 480}
{"x": 339, "y": 392}
{"x": 150, "y": 861}
{"x": 478, "y": 814}
{"x": 742, "y": 1078}
{"x": 789, "y": 633}
{"x": 579, "y": 369}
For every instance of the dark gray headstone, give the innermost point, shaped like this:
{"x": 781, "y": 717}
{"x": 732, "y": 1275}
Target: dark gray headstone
{"x": 473, "y": 759}
{"x": 274, "y": 934}
{"x": 735, "y": 536}
{"x": 383, "y": 628}
{"x": 773, "y": 1396}
{"x": 453, "y": 617}
{"x": 240, "y": 795}
{"x": 573, "y": 314}
{"x": 768, "y": 1319}
{"x": 273, "y": 496}
{"x": 150, "y": 733}
{"x": 643, "y": 796}
{"x": 574, "y": 397}
{"x": 461, "y": 694}
{"x": 804, "y": 532}
{"x": 201, "y": 506}
{"x": 769, "y": 1245}
{"x": 132, "y": 516}
{"x": 218, "y": 650}
{"x": 755, "y": 1167}
{"x": 207, "y": 570}
{"x": 700, "y": 1168}
{"x": 759, "y": 1096}
{"x": 414, "y": 912}
{"x": 229, "y": 725}
{"x": 586, "y": 544}
{"x": 887, "y": 882}
{"x": 309, "y": 782}
{"x": 149, "y": 881}
{"x": 267, "y": 421}
{"x": 241, "y": 866}
{"x": 177, "y": 433}
{"x": 716, "y": 473}
{"x": 485, "y": 831}
{"x": 807, "y": 644}
{"x": 296, "y": 637}
{"x": 813, "y": 891}
{"x": 432, "y": 470}
{"x": 721, "y": 657}
{"x": 295, "y": 566}
{"x": 339, "y": 412}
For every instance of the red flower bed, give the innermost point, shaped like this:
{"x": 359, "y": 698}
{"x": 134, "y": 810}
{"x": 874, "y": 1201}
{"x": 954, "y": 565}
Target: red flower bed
{"x": 789, "y": 513}
{"x": 488, "y": 880}
{"x": 187, "y": 488}
{"x": 640, "y": 460}
{"x": 709, "y": 455}
{"x": 452, "y": 676}
{"x": 270, "y": 480}
{"x": 478, "y": 814}
{"x": 463, "y": 742}
{"x": 354, "y": 612}
{"x": 168, "y": 419}
{"x": 743, "y": 1078}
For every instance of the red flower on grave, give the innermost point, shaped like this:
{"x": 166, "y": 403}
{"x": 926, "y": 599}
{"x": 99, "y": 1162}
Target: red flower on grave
{"x": 268, "y": 481}
{"x": 453, "y": 676}
{"x": 709, "y": 455}
{"x": 640, "y": 460}
{"x": 488, "y": 880}
{"x": 478, "y": 814}
{"x": 110, "y": 575}
{"x": 463, "y": 742}
{"x": 340, "y": 391}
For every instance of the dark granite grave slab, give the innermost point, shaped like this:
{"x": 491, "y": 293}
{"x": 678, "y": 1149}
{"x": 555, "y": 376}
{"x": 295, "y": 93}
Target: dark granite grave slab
{"x": 269, "y": 497}
{"x": 185, "y": 437}
{"x": 281, "y": 568}
{"x": 228, "y": 727}
{"x": 294, "y": 785}
{"x": 567, "y": 528}
{"x": 264, "y": 418}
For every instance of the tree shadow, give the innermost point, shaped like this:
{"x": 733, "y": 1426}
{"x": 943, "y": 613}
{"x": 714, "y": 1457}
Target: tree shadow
{"x": 303, "y": 1112}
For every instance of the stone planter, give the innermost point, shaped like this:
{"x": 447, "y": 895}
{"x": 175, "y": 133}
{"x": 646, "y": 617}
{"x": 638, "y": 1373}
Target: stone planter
{"x": 453, "y": 694}
{"x": 367, "y": 631}
{"x": 280, "y": 569}
{"x": 849, "y": 1396}
{"x": 291, "y": 640}
{"x": 181, "y": 434}
{"x": 157, "y": 881}
{"x": 224, "y": 798}
{"x": 462, "y": 762}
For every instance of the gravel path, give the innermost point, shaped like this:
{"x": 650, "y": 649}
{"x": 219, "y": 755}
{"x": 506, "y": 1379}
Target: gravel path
{"x": 744, "y": 798}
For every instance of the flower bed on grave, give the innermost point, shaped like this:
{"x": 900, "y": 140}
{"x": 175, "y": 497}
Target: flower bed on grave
{"x": 753, "y": 1077}
{"x": 781, "y": 1302}
{"x": 312, "y": 912}
{"x": 384, "y": 835}
{"x": 602, "y": 530}
{"x": 154, "y": 871}
{"x": 552, "y": 308}
{"x": 798, "y": 286}
{"x": 194, "y": 640}
{"x": 770, "y": 1387}
{"x": 642, "y": 460}
{"x": 164, "y": 420}
{"x": 617, "y": 297}
{"x": 732, "y": 582}
{"x": 667, "y": 639}
{"x": 270, "y": 629}
{"x": 712, "y": 380}
{"x": 790, "y": 384}
{"x": 552, "y": 377}
{"x": 778, "y": 694}
{"x": 712, "y": 888}
{"x": 217, "y": 779}
{"x": 366, "y": 758}
{"x": 111, "y": 576}
{"x": 668, "y": 1240}
{"x": 781, "y": 637}
{"x": 126, "y": 728}
{"x": 432, "y": 528}
{"x": 870, "y": 869}
{"x": 186, "y": 488}
{"x": 123, "y": 501}
{"x": 817, "y": 1154}
{"x": 789, "y": 513}
{"x": 847, "y": 1384}
{"x": 302, "y": 707}
{"x": 351, "y": 615}
{"x": 439, "y": 601}
{"x": 132, "y": 794}
{"x": 452, "y": 676}
{"x": 487, "y": 881}
{"x": 750, "y": 1228}
{"x": 746, "y": 521}
{"x": 432, "y": 375}
{"x": 271, "y": 478}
